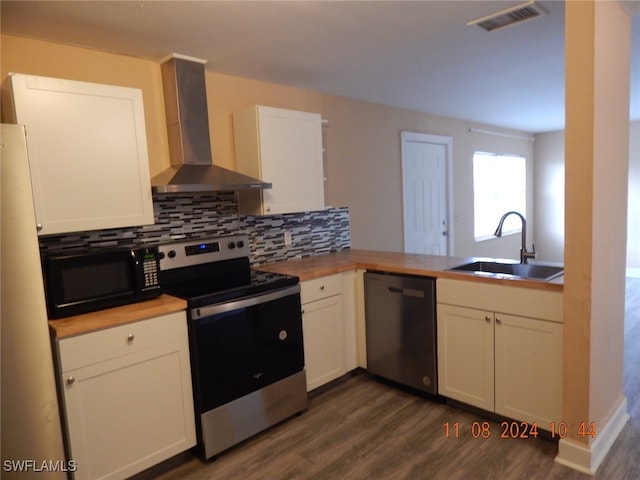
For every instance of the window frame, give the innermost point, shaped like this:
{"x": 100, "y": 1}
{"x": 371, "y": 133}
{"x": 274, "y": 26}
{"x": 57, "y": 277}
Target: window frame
{"x": 512, "y": 225}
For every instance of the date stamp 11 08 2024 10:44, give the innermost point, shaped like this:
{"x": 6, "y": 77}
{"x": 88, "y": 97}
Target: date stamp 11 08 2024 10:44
{"x": 513, "y": 429}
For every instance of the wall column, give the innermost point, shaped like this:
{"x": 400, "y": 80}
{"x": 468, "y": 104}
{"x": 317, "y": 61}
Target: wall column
{"x": 597, "y": 69}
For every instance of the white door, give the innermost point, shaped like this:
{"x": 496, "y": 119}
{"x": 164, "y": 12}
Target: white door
{"x": 425, "y": 162}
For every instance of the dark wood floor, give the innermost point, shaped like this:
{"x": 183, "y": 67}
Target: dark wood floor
{"x": 363, "y": 429}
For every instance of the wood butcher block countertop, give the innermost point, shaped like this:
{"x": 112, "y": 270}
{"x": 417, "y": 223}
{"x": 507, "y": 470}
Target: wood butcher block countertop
{"x": 112, "y": 317}
{"x": 403, "y": 263}
{"x": 306, "y": 269}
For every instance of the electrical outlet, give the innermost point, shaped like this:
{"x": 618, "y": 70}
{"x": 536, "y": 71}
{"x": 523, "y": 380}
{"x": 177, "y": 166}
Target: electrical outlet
{"x": 287, "y": 237}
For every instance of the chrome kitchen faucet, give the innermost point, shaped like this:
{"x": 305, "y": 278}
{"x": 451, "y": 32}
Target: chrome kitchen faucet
{"x": 524, "y": 254}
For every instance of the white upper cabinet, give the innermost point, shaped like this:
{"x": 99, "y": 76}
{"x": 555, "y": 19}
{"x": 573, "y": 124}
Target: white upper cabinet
{"x": 283, "y": 147}
{"x": 87, "y": 153}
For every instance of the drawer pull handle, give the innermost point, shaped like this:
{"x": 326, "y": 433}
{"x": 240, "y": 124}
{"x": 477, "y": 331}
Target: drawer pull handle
{"x": 131, "y": 338}
{"x": 322, "y": 287}
{"x": 71, "y": 380}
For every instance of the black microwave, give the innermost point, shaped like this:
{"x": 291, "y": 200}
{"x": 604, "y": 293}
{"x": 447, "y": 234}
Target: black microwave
{"x": 93, "y": 280}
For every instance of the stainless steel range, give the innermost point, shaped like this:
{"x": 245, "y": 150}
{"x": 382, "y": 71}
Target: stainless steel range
{"x": 245, "y": 337}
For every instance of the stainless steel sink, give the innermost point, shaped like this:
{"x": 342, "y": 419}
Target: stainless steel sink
{"x": 506, "y": 270}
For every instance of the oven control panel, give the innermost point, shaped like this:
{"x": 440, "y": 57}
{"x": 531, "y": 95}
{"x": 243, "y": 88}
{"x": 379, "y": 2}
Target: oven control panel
{"x": 204, "y": 250}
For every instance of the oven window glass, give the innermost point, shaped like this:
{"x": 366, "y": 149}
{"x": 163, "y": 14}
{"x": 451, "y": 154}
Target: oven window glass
{"x": 244, "y": 350}
{"x": 82, "y": 282}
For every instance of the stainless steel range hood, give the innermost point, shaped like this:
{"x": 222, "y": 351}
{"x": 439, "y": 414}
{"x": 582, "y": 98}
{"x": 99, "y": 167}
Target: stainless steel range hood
{"x": 192, "y": 168}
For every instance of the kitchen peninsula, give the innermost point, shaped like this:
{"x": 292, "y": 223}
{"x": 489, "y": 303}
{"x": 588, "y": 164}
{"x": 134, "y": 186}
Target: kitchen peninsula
{"x": 499, "y": 340}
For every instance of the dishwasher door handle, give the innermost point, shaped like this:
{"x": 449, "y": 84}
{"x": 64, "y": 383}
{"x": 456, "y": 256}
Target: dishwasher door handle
{"x": 407, "y": 292}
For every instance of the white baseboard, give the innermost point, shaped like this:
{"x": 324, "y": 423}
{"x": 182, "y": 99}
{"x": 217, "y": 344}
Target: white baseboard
{"x": 587, "y": 458}
{"x": 633, "y": 272}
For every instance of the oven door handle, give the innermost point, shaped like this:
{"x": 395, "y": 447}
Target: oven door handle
{"x": 201, "y": 312}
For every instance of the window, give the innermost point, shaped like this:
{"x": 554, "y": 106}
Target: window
{"x": 499, "y": 186}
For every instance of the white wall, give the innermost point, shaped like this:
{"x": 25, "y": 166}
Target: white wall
{"x": 364, "y": 172}
{"x": 633, "y": 227}
{"x": 507, "y": 246}
{"x": 549, "y": 194}
{"x": 31, "y": 428}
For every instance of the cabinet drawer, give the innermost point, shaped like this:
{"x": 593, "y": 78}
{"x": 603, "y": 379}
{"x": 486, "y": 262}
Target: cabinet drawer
{"x": 83, "y": 350}
{"x": 319, "y": 288}
{"x": 528, "y": 302}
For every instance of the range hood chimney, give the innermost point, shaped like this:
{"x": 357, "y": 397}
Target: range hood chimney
{"x": 192, "y": 168}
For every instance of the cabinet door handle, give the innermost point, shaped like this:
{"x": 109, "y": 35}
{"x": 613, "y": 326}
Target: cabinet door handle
{"x": 487, "y": 318}
{"x": 71, "y": 380}
{"x": 498, "y": 321}
{"x": 131, "y": 338}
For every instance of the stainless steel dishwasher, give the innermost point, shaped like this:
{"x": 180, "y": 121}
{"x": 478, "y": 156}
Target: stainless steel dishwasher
{"x": 400, "y": 316}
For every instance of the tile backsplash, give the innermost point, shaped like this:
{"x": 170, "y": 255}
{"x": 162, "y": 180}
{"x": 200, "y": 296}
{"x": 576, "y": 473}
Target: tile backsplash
{"x": 200, "y": 215}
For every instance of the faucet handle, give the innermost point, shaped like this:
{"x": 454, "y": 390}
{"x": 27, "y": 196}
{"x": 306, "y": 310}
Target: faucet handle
{"x": 529, "y": 254}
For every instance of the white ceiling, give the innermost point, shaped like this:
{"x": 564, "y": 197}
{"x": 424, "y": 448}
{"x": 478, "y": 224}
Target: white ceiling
{"x": 418, "y": 55}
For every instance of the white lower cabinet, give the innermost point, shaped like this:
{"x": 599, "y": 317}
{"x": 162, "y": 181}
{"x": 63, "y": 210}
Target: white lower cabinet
{"x": 127, "y": 396}
{"x": 498, "y": 361}
{"x": 324, "y": 330}
{"x": 465, "y": 355}
{"x": 528, "y": 369}
{"x": 353, "y": 302}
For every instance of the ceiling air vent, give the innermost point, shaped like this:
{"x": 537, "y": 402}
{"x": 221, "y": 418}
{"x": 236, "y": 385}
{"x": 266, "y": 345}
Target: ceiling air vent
{"x": 509, "y": 16}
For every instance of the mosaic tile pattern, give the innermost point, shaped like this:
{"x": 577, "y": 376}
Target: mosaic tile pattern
{"x": 312, "y": 233}
{"x": 192, "y": 216}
